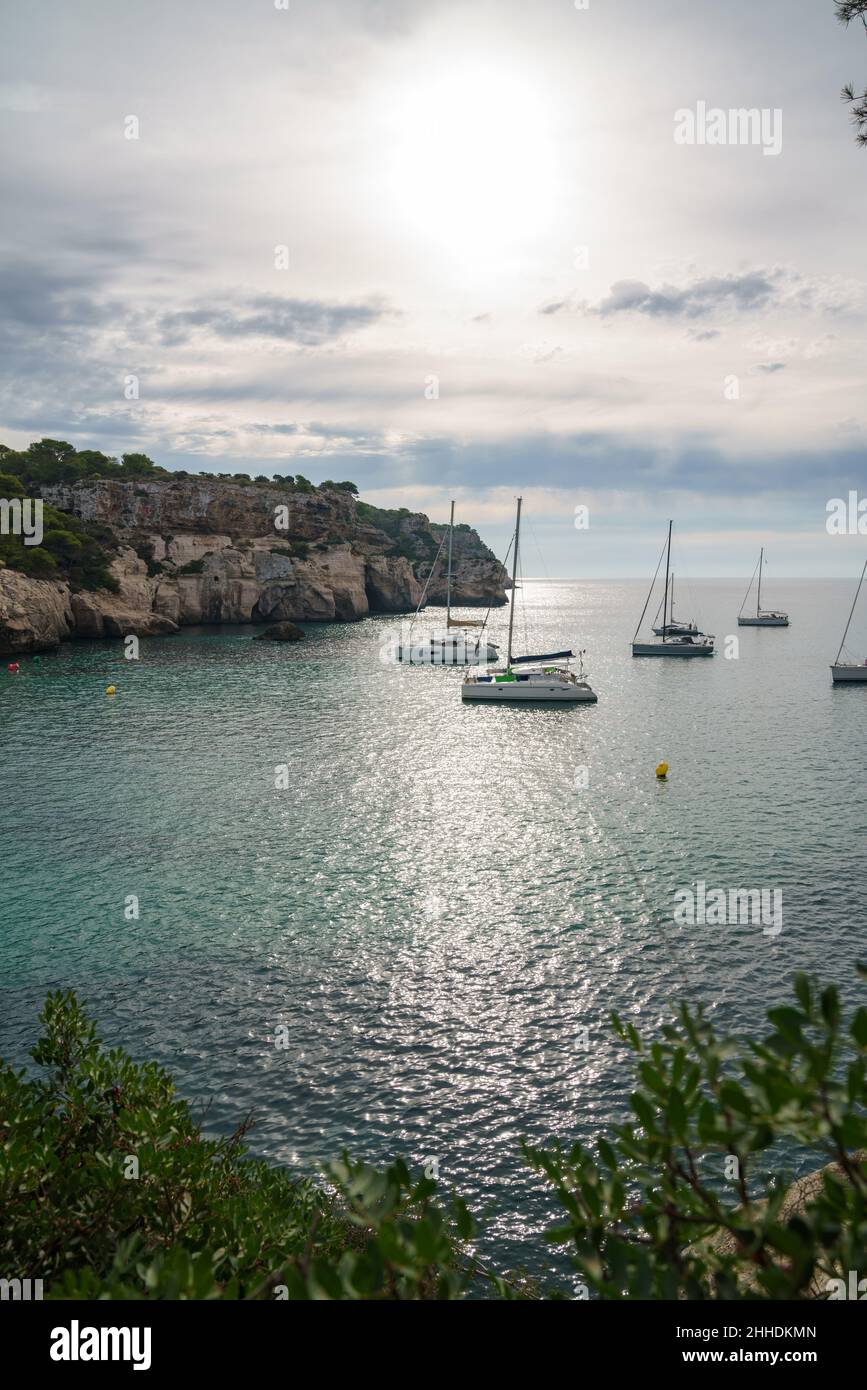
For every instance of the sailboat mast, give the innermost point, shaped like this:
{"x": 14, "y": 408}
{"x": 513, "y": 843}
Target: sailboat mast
{"x": 514, "y": 580}
{"x": 449, "y": 576}
{"x": 665, "y": 601}
{"x": 852, "y": 613}
{"x": 759, "y": 599}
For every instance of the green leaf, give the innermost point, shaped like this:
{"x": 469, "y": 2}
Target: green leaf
{"x": 859, "y": 1027}
{"x": 644, "y": 1110}
{"x": 829, "y": 1002}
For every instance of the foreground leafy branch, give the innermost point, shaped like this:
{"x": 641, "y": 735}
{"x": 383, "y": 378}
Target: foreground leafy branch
{"x": 847, "y": 11}
{"x": 691, "y": 1201}
{"x": 110, "y": 1190}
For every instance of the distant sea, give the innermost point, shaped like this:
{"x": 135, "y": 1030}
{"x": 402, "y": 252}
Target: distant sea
{"x": 444, "y": 897}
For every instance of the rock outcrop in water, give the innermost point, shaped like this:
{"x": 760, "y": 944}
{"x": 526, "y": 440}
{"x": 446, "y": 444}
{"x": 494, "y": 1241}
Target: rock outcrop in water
{"x": 280, "y": 632}
{"x": 192, "y": 551}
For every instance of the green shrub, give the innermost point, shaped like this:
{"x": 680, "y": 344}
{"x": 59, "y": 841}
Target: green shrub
{"x": 71, "y": 549}
{"x": 387, "y": 519}
{"x": 109, "y": 1189}
{"x": 145, "y": 551}
{"x": 34, "y": 561}
{"x": 55, "y": 461}
{"x": 684, "y": 1201}
{"x": 404, "y": 549}
{"x": 329, "y": 486}
{"x": 10, "y": 486}
{"x": 192, "y": 567}
{"x": 297, "y": 550}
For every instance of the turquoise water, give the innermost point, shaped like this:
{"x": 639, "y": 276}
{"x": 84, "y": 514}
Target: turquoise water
{"x": 437, "y": 905}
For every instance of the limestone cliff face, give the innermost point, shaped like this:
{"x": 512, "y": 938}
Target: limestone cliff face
{"x": 196, "y": 551}
{"x": 471, "y": 575}
{"x": 203, "y": 507}
{"x": 35, "y": 615}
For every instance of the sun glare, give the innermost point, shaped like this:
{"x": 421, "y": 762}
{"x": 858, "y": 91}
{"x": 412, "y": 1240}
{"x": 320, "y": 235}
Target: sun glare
{"x": 472, "y": 163}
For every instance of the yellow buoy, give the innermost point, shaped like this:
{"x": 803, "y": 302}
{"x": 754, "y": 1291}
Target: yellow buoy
{"x": 111, "y": 690}
{"x": 662, "y": 771}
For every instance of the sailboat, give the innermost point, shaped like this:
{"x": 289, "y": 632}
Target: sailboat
{"x": 849, "y": 670}
{"x": 673, "y": 639}
{"x": 451, "y": 648}
{"x": 766, "y": 617}
{"x": 537, "y": 678}
{"x": 672, "y": 627}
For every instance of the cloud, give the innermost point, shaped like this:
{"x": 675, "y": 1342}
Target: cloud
{"x": 739, "y": 292}
{"x": 40, "y": 296}
{"x": 155, "y": 257}
{"x": 306, "y": 322}
{"x": 695, "y": 467}
{"x": 777, "y": 287}
{"x": 820, "y": 346}
{"x": 555, "y": 306}
{"x": 774, "y": 348}
{"x": 25, "y": 97}
{"x": 318, "y": 429}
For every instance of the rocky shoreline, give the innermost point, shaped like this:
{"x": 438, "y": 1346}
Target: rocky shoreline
{"x": 191, "y": 551}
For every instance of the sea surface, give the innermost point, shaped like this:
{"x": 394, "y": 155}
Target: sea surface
{"x": 446, "y": 902}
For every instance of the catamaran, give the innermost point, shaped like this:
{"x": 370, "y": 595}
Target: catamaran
{"x": 764, "y": 617}
{"x": 451, "y": 648}
{"x": 673, "y": 639}
{"x": 538, "y": 678}
{"x": 850, "y": 670}
{"x": 672, "y": 628}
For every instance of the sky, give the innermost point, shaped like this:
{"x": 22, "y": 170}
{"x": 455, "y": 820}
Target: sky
{"x": 452, "y": 250}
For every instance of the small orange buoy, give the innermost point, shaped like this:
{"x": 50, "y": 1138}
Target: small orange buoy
{"x": 662, "y": 771}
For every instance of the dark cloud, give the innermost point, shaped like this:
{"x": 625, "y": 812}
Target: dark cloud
{"x": 306, "y": 322}
{"x": 38, "y": 296}
{"x": 770, "y": 367}
{"x": 604, "y": 461}
{"x": 318, "y": 429}
{"x": 739, "y": 292}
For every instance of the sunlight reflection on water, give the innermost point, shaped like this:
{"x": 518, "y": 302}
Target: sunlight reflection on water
{"x": 434, "y": 908}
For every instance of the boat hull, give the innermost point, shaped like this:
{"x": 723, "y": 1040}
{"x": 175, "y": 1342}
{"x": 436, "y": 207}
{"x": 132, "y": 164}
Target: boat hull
{"x": 672, "y": 649}
{"x": 520, "y": 692}
{"x": 842, "y": 675}
{"x": 763, "y": 622}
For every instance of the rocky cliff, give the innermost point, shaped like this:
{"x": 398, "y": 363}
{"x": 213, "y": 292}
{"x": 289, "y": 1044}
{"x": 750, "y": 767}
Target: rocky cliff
{"x": 193, "y": 551}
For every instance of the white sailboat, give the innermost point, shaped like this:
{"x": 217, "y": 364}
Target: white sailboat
{"x": 673, "y": 639}
{"x": 528, "y": 679}
{"x": 763, "y": 617}
{"x": 672, "y": 628}
{"x": 842, "y": 671}
{"x": 458, "y": 645}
